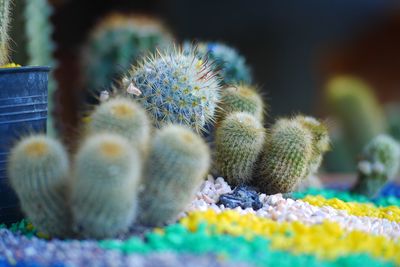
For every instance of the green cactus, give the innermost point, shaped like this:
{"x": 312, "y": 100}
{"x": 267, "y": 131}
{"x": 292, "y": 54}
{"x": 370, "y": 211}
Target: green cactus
{"x": 379, "y": 163}
{"x": 321, "y": 140}
{"x": 116, "y": 43}
{"x": 357, "y": 110}
{"x": 178, "y": 161}
{"x": 239, "y": 140}
{"x": 228, "y": 63}
{"x": 38, "y": 172}
{"x": 175, "y": 86}
{"x": 41, "y": 47}
{"x": 286, "y": 157}
{"x": 5, "y": 10}
{"x": 242, "y": 98}
{"x": 104, "y": 186}
{"x": 392, "y": 112}
{"x": 122, "y": 116}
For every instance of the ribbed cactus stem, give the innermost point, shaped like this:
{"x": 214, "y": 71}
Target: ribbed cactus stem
{"x": 104, "y": 187}
{"x": 378, "y": 164}
{"x": 239, "y": 140}
{"x": 285, "y": 159}
{"x": 5, "y": 10}
{"x": 38, "y": 172}
{"x": 177, "y": 163}
{"x": 122, "y": 116}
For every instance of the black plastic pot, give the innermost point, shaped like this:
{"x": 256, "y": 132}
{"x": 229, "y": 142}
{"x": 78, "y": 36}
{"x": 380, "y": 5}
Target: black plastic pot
{"x": 23, "y": 110}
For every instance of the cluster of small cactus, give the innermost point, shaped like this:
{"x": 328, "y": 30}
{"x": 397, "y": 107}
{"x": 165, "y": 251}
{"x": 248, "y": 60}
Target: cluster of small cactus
{"x": 120, "y": 175}
{"x": 116, "y": 43}
{"x": 174, "y": 86}
{"x": 275, "y": 160}
{"x": 228, "y": 63}
{"x": 379, "y": 163}
{"x": 5, "y": 9}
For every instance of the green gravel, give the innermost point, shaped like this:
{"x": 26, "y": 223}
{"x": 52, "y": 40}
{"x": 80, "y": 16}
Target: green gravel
{"x": 256, "y": 251}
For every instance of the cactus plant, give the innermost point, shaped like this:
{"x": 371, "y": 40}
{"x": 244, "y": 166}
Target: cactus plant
{"x": 178, "y": 161}
{"x": 378, "y": 164}
{"x": 117, "y": 42}
{"x": 38, "y": 172}
{"x": 104, "y": 186}
{"x": 175, "y": 87}
{"x": 231, "y": 66}
{"x": 321, "y": 140}
{"x": 357, "y": 110}
{"x": 239, "y": 140}
{"x": 122, "y": 116}
{"x": 40, "y": 45}
{"x": 242, "y": 98}
{"x": 392, "y": 111}
{"x": 5, "y": 6}
{"x": 285, "y": 158}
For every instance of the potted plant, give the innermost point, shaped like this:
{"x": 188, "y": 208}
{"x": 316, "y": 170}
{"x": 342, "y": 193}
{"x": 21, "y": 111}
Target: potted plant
{"x": 23, "y": 109}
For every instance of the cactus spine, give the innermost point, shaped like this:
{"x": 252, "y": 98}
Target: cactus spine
{"x": 242, "y": 98}
{"x": 104, "y": 187}
{"x": 38, "y": 171}
{"x": 379, "y": 163}
{"x": 357, "y": 109}
{"x": 286, "y": 156}
{"x": 178, "y": 161}
{"x": 175, "y": 87}
{"x": 239, "y": 140}
{"x": 116, "y": 43}
{"x": 5, "y": 9}
{"x": 230, "y": 65}
{"x": 122, "y": 116}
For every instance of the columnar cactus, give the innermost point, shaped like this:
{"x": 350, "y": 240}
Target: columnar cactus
{"x": 231, "y": 66}
{"x": 38, "y": 172}
{"x": 378, "y": 164}
{"x": 178, "y": 161}
{"x": 357, "y": 109}
{"x": 116, "y": 43}
{"x": 40, "y": 45}
{"x": 104, "y": 187}
{"x": 242, "y": 98}
{"x": 239, "y": 140}
{"x": 122, "y": 116}
{"x": 5, "y": 9}
{"x": 175, "y": 87}
{"x": 286, "y": 156}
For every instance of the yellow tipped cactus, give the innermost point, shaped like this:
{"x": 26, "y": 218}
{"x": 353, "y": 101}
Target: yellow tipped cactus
{"x": 38, "y": 171}
{"x": 242, "y": 98}
{"x": 178, "y": 161}
{"x": 239, "y": 140}
{"x": 104, "y": 188}
{"x": 122, "y": 116}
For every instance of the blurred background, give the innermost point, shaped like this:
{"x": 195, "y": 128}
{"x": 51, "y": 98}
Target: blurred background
{"x": 294, "y": 48}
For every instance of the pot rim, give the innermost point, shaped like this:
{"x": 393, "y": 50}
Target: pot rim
{"x": 25, "y": 69}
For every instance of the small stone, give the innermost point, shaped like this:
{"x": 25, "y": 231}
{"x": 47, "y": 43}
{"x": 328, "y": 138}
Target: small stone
{"x": 243, "y": 196}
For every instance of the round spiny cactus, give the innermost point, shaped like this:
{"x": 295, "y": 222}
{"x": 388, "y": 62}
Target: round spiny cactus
{"x": 38, "y": 172}
{"x": 239, "y": 140}
{"x": 116, "y": 43}
{"x": 175, "y": 87}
